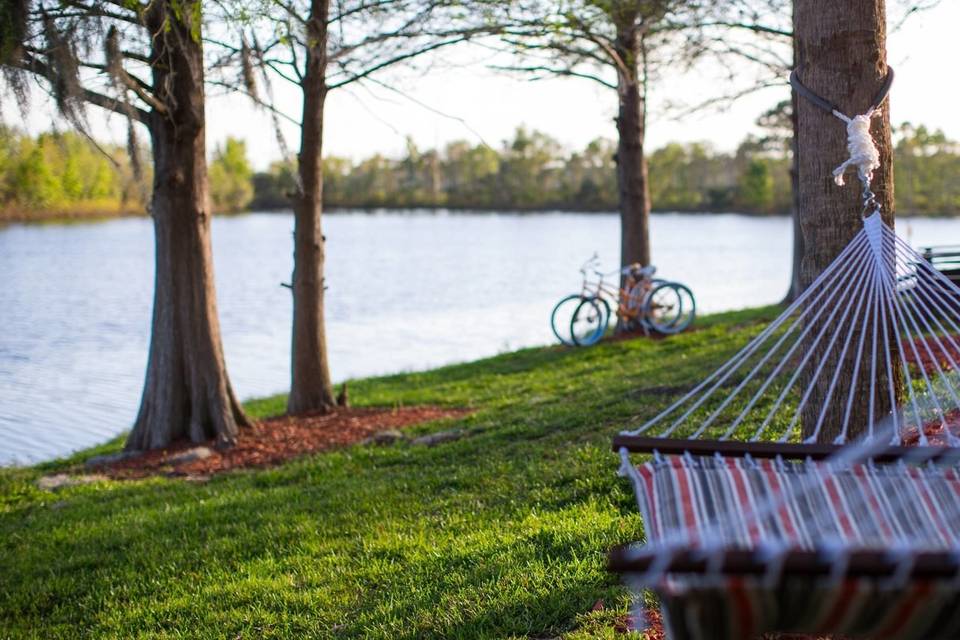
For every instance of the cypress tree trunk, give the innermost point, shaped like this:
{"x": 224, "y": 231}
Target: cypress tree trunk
{"x": 795, "y": 288}
{"x": 311, "y": 388}
{"x": 633, "y": 186}
{"x": 841, "y": 51}
{"x": 187, "y": 393}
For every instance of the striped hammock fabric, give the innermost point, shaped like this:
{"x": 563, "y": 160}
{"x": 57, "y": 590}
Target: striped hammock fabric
{"x": 702, "y": 500}
{"x": 744, "y": 608}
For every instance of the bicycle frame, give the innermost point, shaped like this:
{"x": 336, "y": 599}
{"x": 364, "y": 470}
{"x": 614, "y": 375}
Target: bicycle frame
{"x": 628, "y": 305}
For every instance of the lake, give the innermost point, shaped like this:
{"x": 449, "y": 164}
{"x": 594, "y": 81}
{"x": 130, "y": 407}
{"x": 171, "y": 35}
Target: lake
{"x": 407, "y": 291}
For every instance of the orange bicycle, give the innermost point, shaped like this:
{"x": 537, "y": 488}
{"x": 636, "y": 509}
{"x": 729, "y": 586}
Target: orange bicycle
{"x": 643, "y": 302}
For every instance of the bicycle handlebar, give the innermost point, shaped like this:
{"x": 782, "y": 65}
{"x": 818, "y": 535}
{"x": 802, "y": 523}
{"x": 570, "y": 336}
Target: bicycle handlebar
{"x": 594, "y": 261}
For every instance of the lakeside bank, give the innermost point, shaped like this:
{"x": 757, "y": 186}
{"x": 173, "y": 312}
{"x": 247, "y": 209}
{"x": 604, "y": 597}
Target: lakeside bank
{"x": 499, "y": 534}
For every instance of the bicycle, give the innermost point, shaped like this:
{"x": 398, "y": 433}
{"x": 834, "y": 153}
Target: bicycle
{"x": 643, "y": 302}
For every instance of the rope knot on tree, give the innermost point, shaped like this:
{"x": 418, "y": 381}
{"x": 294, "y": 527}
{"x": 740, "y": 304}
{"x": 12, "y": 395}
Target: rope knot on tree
{"x": 864, "y": 154}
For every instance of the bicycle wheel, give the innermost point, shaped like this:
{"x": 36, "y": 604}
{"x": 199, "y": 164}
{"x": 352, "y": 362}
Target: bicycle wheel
{"x": 669, "y": 308}
{"x": 631, "y": 309}
{"x": 560, "y": 318}
{"x": 589, "y": 322}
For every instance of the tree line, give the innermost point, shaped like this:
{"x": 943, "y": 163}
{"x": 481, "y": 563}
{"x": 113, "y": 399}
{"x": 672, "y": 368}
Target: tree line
{"x": 64, "y": 173}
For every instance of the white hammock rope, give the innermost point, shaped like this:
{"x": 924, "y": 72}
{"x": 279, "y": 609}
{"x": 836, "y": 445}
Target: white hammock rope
{"x": 864, "y": 154}
{"x": 879, "y": 320}
{"x": 878, "y": 299}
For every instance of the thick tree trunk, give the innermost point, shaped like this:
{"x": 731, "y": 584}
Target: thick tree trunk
{"x": 187, "y": 394}
{"x": 841, "y": 51}
{"x": 311, "y": 388}
{"x": 634, "y": 190}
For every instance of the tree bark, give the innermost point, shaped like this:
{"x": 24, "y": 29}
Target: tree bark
{"x": 795, "y": 288}
{"x": 841, "y": 52}
{"x": 632, "y": 182}
{"x": 187, "y": 393}
{"x": 311, "y": 388}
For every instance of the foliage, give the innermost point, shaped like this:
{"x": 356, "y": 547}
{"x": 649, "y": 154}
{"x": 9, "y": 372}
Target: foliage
{"x": 621, "y": 43}
{"x": 58, "y": 171}
{"x": 63, "y": 173}
{"x": 532, "y": 171}
{"x": 926, "y": 166}
{"x": 755, "y": 186}
{"x": 502, "y": 534}
{"x": 231, "y": 186}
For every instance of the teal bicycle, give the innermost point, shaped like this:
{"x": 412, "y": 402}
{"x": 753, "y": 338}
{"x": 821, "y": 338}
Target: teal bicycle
{"x": 643, "y": 303}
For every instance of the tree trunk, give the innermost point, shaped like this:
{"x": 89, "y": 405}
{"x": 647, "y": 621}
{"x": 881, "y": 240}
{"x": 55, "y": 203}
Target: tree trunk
{"x": 795, "y": 288}
{"x": 841, "y": 52}
{"x": 187, "y": 394}
{"x": 311, "y": 388}
{"x": 633, "y": 186}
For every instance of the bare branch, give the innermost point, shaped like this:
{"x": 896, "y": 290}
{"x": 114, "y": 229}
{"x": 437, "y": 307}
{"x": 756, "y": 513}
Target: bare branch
{"x": 36, "y": 66}
{"x": 557, "y": 72}
{"x": 559, "y": 47}
{"x": 744, "y": 26}
{"x": 399, "y": 58}
{"x": 431, "y": 109}
{"x": 131, "y": 82}
{"x": 290, "y": 11}
{"x": 726, "y": 100}
{"x": 99, "y": 12}
{"x": 255, "y": 99}
{"x": 359, "y": 9}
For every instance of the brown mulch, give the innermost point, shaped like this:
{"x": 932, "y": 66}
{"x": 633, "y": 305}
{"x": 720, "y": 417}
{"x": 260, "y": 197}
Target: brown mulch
{"x": 935, "y": 431}
{"x": 654, "y": 625}
{"x": 939, "y": 357}
{"x": 274, "y": 440}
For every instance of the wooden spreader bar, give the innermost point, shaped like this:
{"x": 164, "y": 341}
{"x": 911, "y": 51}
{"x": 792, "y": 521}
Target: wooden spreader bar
{"x": 933, "y": 565}
{"x": 788, "y": 451}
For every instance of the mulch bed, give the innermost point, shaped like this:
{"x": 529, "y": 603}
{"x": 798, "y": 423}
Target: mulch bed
{"x": 275, "y": 440}
{"x": 925, "y": 361}
{"x": 935, "y": 431}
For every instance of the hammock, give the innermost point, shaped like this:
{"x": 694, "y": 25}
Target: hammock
{"x": 762, "y": 511}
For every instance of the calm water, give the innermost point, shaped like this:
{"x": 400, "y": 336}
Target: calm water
{"x": 406, "y": 292}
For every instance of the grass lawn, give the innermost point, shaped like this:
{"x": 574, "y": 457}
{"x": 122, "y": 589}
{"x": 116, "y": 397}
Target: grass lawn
{"x": 499, "y": 535}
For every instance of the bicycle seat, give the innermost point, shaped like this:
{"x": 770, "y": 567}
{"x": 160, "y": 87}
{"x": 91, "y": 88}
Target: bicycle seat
{"x": 643, "y": 272}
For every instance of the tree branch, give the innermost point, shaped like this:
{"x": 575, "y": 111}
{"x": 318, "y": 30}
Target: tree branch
{"x": 559, "y": 47}
{"x": 399, "y": 58}
{"x": 358, "y": 9}
{"x": 557, "y": 72}
{"x": 133, "y": 83}
{"x": 257, "y": 101}
{"x": 35, "y": 66}
{"x": 90, "y": 10}
{"x": 754, "y": 28}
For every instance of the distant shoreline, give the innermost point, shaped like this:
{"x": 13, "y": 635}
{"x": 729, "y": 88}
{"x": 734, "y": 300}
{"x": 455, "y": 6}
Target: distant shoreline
{"x": 67, "y": 216}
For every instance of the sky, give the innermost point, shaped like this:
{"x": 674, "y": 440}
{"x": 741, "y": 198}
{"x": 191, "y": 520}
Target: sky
{"x": 482, "y": 104}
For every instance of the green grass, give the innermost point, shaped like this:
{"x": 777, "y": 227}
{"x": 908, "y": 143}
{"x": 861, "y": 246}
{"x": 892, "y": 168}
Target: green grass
{"x": 499, "y": 535}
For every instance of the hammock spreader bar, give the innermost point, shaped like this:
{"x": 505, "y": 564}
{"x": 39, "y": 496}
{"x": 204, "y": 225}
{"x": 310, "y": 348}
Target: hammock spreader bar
{"x": 785, "y": 450}
{"x": 877, "y": 564}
